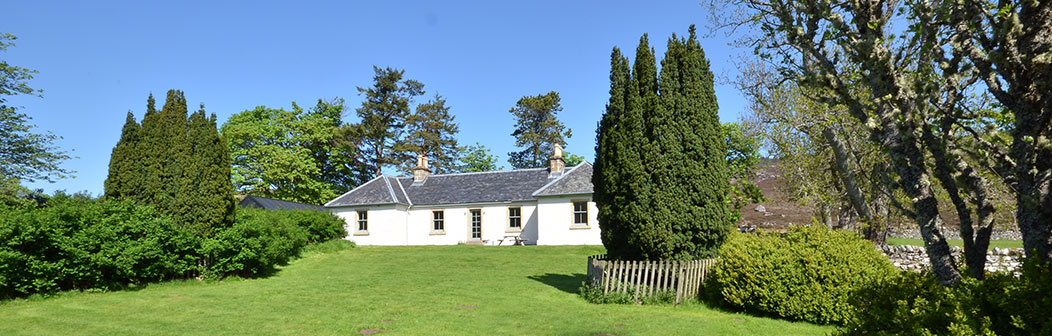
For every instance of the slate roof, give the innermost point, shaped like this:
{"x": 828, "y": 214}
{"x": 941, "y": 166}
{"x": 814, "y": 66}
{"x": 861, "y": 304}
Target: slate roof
{"x": 481, "y": 187}
{"x": 274, "y": 204}
{"x": 577, "y": 180}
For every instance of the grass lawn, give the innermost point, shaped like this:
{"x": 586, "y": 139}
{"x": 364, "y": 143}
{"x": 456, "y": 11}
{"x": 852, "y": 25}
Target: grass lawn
{"x": 956, "y": 242}
{"x": 519, "y": 290}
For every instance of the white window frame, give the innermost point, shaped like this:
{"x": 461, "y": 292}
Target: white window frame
{"x": 575, "y": 212}
{"x": 435, "y": 221}
{"x": 362, "y": 219}
{"x": 510, "y": 217}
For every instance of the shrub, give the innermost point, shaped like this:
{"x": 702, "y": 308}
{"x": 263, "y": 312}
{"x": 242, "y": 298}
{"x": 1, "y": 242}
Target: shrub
{"x": 806, "y": 274}
{"x": 914, "y": 303}
{"x": 319, "y": 226}
{"x": 80, "y": 243}
{"x": 258, "y": 241}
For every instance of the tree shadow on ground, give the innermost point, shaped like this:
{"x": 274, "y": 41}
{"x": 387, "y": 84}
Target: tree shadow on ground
{"x": 569, "y": 283}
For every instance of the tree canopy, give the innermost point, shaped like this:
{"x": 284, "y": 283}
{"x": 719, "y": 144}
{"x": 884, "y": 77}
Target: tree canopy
{"x": 537, "y": 130}
{"x": 291, "y": 154}
{"x": 25, "y": 156}
{"x": 661, "y": 182}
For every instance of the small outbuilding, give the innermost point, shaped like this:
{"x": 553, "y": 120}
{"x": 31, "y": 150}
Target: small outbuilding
{"x": 251, "y": 201}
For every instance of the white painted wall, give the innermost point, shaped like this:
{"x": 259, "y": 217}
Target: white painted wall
{"x": 386, "y": 224}
{"x": 457, "y": 220}
{"x": 548, "y": 221}
{"x": 555, "y": 222}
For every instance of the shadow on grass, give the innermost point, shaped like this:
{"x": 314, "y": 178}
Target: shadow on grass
{"x": 569, "y": 283}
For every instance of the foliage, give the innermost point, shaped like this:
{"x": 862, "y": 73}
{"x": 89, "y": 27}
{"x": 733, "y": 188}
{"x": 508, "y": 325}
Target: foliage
{"x": 258, "y": 241}
{"x": 477, "y": 158}
{"x": 24, "y": 155}
{"x": 291, "y": 155}
{"x": 807, "y": 274}
{"x": 537, "y": 129}
{"x": 80, "y": 243}
{"x": 928, "y": 120}
{"x": 319, "y": 226}
{"x": 572, "y": 160}
{"x": 662, "y": 185}
{"x": 742, "y": 157}
{"x": 175, "y": 163}
{"x": 594, "y": 294}
{"x": 915, "y": 303}
{"x": 431, "y": 131}
{"x": 384, "y": 114}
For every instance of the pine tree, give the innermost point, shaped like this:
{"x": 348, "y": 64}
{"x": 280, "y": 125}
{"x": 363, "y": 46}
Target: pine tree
{"x": 383, "y": 113}
{"x": 538, "y": 129}
{"x": 431, "y": 131}
{"x": 125, "y": 173}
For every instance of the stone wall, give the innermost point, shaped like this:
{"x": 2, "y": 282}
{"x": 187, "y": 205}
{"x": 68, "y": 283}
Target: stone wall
{"x": 953, "y": 233}
{"x": 914, "y": 258}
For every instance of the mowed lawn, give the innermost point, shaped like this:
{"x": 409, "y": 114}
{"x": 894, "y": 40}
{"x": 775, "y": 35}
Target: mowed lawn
{"x": 956, "y": 242}
{"x": 520, "y": 290}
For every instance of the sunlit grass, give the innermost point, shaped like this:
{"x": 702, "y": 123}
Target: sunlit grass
{"x": 520, "y": 290}
{"x": 956, "y": 242}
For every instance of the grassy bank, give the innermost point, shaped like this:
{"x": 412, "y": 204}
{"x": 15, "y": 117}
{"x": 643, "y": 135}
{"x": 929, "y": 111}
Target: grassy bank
{"x": 391, "y": 290}
{"x": 956, "y": 242}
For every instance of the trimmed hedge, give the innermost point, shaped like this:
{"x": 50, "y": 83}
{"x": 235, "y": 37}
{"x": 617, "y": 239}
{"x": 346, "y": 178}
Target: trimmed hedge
{"x": 806, "y": 274}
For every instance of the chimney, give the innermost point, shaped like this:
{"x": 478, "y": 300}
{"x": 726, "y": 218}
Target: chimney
{"x": 557, "y": 163}
{"x": 421, "y": 171}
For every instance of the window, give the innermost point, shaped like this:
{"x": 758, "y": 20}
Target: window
{"x": 438, "y": 220}
{"x": 580, "y": 213}
{"x": 363, "y": 221}
{"x": 515, "y": 218}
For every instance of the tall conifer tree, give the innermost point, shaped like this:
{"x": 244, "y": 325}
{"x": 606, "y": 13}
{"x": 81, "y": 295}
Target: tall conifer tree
{"x": 205, "y": 199}
{"x": 124, "y": 179}
{"x": 537, "y": 129}
{"x": 431, "y": 131}
{"x": 662, "y": 159}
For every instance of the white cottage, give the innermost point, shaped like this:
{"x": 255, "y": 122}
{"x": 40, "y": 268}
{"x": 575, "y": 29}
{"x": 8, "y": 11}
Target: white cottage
{"x": 542, "y": 206}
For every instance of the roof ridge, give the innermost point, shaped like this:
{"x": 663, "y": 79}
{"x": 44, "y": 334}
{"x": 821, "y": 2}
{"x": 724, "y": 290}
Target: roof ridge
{"x": 352, "y": 190}
{"x": 410, "y": 201}
{"x": 390, "y": 189}
{"x": 557, "y": 179}
{"x": 474, "y": 173}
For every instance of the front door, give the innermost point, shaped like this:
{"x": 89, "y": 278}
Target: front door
{"x": 476, "y": 224}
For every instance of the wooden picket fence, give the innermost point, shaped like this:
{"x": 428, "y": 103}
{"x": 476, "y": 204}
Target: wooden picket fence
{"x": 646, "y": 278}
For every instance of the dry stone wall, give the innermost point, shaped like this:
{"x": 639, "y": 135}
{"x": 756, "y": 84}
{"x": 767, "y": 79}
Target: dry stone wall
{"x": 914, "y": 258}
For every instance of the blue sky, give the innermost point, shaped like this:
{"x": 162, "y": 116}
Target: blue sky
{"x": 99, "y": 60}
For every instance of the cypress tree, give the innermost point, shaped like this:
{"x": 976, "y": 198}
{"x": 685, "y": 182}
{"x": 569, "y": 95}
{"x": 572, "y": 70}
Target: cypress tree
{"x": 124, "y": 176}
{"x": 205, "y": 200}
{"x": 148, "y": 150}
{"x": 608, "y": 193}
{"x": 660, "y": 179}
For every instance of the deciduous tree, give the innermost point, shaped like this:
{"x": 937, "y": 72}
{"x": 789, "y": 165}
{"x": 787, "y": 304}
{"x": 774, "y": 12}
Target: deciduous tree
{"x": 25, "y": 156}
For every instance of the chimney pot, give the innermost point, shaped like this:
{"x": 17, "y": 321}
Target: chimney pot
{"x": 555, "y": 169}
{"x": 421, "y": 171}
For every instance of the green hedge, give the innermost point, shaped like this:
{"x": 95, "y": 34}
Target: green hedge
{"x": 77, "y": 243}
{"x": 258, "y": 241}
{"x": 80, "y": 244}
{"x": 915, "y": 304}
{"x": 806, "y": 274}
